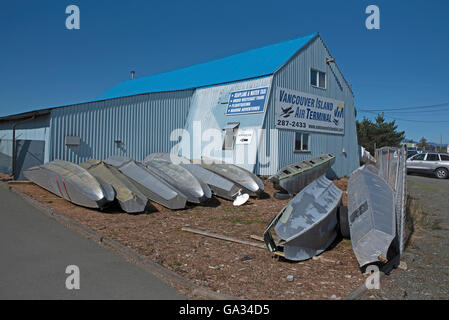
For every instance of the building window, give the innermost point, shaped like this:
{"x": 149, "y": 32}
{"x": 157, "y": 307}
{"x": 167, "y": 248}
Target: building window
{"x": 230, "y": 135}
{"x": 317, "y": 79}
{"x": 302, "y": 142}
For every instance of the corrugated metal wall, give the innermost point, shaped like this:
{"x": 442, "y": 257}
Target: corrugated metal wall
{"x": 295, "y": 75}
{"x": 38, "y": 129}
{"x": 208, "y": 111}
{"x": 142, "y": 123}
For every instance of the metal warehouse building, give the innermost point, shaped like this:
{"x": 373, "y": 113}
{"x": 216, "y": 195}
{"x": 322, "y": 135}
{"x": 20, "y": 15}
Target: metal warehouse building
{"x": 271, "y": 106}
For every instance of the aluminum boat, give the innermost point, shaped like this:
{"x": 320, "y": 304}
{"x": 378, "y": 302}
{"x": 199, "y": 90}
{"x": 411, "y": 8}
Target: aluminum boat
{"x": 221, "y": 187}
{"x": 293, "y": 178}
{"x": 247, "y": 181}
{"x": 150, "y": 185}
{"x": 130, "y": 198}
{"x": 308, "y": 224}
{"x": 72, "y": 183}
{"x": 371, "y": 215}
{"x": 181, "y": 179}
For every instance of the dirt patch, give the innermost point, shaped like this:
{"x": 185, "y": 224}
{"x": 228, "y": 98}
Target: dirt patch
{"x": 342, "y": 184}
{"x": 234, "y": 269}
{"x": 5, "y": 177}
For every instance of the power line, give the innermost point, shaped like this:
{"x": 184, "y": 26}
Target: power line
{"x": 432, "y": 111}
{"x": 420, "y": 121}
{"x": 445, "y": 104}
{"x": 412, "y": 120}
{"x": 427, "y": 112}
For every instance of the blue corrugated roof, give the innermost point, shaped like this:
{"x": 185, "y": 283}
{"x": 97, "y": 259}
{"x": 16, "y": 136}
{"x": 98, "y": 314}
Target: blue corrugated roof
{"x": 246, "y": 65}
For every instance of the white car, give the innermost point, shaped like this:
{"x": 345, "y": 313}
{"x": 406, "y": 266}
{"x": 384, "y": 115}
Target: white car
{"x": 430, "y": 162}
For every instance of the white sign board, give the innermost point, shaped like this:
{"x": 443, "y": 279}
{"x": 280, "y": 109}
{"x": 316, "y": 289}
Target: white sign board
{"x": 244, "y": 136}
{"x": 297, "y": 110}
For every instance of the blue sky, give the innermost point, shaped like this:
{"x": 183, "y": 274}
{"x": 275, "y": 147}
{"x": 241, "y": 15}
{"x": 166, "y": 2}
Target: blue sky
{"x": 404, "y": 64}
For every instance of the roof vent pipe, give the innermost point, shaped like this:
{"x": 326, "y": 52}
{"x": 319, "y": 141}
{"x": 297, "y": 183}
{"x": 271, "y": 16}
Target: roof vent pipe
{"x": 133, "y": 73}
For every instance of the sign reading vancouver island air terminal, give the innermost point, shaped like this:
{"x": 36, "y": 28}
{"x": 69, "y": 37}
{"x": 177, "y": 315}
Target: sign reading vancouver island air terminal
{"x": 307, "y": 112}
{"x": 247, "y": 101}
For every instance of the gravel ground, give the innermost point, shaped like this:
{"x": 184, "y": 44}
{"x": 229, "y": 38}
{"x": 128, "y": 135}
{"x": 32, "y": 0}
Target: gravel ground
{"x": 234, "y": 269}
{"x": 425, "y": 274}
{"x": 5, "y": 177}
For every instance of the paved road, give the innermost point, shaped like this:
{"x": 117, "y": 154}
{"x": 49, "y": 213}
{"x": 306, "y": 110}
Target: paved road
{"x": 427, "y": 255}
{"x": 35, "y": 251}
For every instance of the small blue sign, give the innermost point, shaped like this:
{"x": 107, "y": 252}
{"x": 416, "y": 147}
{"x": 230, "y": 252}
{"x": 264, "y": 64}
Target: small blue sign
{"x": 247, "y": 101}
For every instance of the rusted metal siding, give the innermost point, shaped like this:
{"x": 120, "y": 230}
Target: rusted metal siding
{"x": 142, "y": 123}
{"x": 295, "y": 75}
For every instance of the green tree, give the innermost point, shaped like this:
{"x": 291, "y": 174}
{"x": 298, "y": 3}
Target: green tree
{"x": 423, "y": 143}
{"x": 380, "y": 133}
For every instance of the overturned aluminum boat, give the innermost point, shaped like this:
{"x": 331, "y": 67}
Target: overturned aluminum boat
{"x": 308, "y": 224}
{"x": 293, "y": 178}
{"x": 70, "y": 182}
{"x": 130, "y": 198}
{"x": 371, "y": 215}
{"x": 151, "y": 186}
{"x": 181, "y": 179}
{"x": 221, "y": 187}
{"x": 247, "y": 181}
{"x": 365, "y": 156}
{"x": 109, "y": 190}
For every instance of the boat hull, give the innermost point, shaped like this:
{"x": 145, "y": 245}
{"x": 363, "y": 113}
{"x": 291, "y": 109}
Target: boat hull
{"x": 220, "y": 186}
{"x": 181, "y": 179}
{"x": 293, "y": 178}
{"x": 109, "y": 191}
{"x": 70, "y": 182}
{"x": 371, "y": 215}
{"x": 130, "y": 198}
{"x": 247, "y": 181}
{"x": 308, "y": 224}
{"x": 150, "y": 185}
